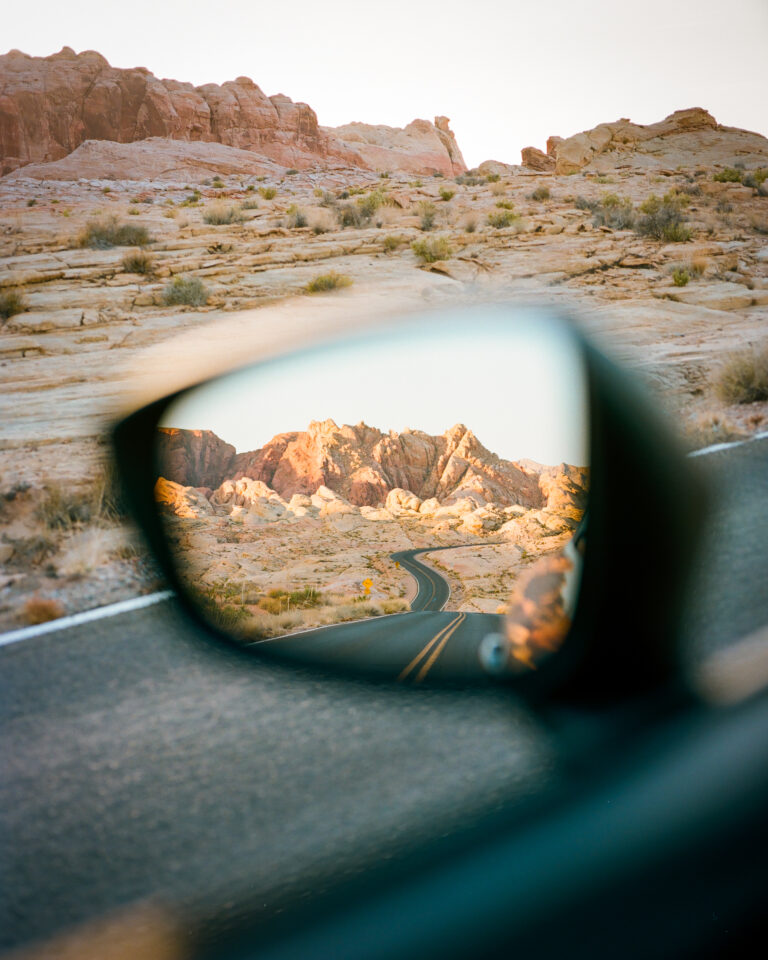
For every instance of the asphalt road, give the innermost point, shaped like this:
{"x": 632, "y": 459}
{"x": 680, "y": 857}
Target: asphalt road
{"x": 138, "y": 762}
{"x": 427, "y": 642}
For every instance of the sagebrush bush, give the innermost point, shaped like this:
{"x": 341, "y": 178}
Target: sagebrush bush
{"x": 432, "y": 249}
{"x": 680, "y": 277}
{"x": 743, "y": 377}
{"x": 139, "y": 261}
{"x": 295, "y": 217}
{"x": 728, "y": 175}
{"x": 250, "y": 205}
{"x": 427, "y": 214}
{"x": 267, "y": 193}
{"x": 219, "y": 216}
{"x": 97, "y": 501}
{"x": 501, "y": 218}
{"x": 614, "y": 212}
{"x": 292, "y": 172}
{"x": 540, "y": 193}
{"x": 327, "y": 281}
{"x": 350, "y": 215}
{"x": 109, "y": 232}
{"x": 663, "y": 219}
{"x": 447, "y": 194}
{"x": 370, "y": 203}
{"x": 468, "y": 180}
{"x": 493, "y": 178}
{"x": 391, "y": 242}
{"x": 11, "y": 303}
{"x": 185, "y": 291}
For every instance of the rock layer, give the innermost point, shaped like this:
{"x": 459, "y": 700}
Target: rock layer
{"x": 51, "y": 105}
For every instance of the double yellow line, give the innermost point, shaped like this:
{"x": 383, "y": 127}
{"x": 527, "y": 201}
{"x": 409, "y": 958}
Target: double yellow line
{"x": 437, "y": 642}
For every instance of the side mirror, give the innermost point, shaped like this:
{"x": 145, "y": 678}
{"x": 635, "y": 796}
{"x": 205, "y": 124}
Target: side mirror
{"x": 467, "y": 496}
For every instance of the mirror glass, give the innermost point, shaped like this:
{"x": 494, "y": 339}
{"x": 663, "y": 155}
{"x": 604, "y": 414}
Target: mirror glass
{"x": 407, "y": 503}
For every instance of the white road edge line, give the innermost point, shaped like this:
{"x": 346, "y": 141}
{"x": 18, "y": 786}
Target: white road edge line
{"x": 87, "y": 616}
{"x": 137, "y": 603}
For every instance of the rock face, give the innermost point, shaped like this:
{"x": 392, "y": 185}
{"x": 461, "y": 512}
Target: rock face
{"x": 679, "y": 138}
{"x": 408, "y": 472}
{"x": 421, "y": 147}
{"x": 194, "y": 458}
{"x": 534, "y": 159}
{"x": 51, "y": 105}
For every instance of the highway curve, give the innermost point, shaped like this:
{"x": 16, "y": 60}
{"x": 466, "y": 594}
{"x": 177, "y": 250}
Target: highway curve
{"x": 427, "y": 642}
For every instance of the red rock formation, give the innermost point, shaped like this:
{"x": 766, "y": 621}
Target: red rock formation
{"x": 194, "y": 458}
{"x": 359, "y": 463}
{"x": 536, "y": 160}
{"x": 50, "y": 105}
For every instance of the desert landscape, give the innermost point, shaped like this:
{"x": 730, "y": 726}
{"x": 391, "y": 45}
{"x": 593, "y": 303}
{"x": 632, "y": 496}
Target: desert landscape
{"x": 306, "y": 530}
{"x": 133, "y": 209}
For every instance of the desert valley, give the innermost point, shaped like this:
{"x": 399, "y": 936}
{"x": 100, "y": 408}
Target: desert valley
{"x": 133, "y": 209}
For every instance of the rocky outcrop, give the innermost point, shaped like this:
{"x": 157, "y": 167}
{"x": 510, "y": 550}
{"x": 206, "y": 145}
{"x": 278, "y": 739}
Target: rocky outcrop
{"x": 194, "y": 458}
{"x": 51, "y": 105}
{"x": 421, "y": 147}
{"x": 534, "y": 159}
{"x": 691, "y": 135}
{"x": 360, "y": 464}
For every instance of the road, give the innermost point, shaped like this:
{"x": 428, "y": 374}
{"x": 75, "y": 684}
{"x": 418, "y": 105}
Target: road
{"x": 138, "y": 762}
{"x": 410, "y": 647}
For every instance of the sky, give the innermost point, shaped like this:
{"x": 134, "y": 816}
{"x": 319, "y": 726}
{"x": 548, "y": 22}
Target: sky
{"x": 508, "y": 73}
{"x": 518, "y": 386}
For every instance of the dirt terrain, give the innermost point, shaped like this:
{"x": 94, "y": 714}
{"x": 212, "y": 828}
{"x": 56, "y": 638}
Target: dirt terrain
{"x": 96, "y": 269}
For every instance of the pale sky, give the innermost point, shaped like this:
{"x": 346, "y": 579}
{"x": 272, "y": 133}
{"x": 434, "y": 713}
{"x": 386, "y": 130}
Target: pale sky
{"x": 507, "y": 73}
{"x": 519, "y": 386}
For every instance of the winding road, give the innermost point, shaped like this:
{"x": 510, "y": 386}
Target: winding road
{"x": 426, "y": 642}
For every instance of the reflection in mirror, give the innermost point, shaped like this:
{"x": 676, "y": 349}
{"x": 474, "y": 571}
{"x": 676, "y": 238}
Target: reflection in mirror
{"x": 407, "y": 503}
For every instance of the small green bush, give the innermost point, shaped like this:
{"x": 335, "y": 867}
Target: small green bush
{"x": 427, "y": 213}
{"x": 728, "y": 175}
{"x": 295, "y": 217}
{"x": 219, "y": 216}
{"x": 505, "y": 205}
{"x": 502, "y": 218}
{"x": 327, "y": 281}
{"x": 139, "y": 262}
{"x": 107, "y": 233}
{"x": 743, "y": 378}
{"x": 493, "y": 178}
{"x": 267, "y": 193}
{"x": 370, "y": 203}
{"x": 384, "y": 175}
{"x": 187, "y": 291}
{"x": 11, "y": 303}
{"x": 432, "y": 249}
{"x": 31, "y": 203}
{"x": 680, "y": 277}
{"x": 663, "y": 219}
{"x": 392, "y": 242}
{"x": 292, "y": 172}
{"x": 447, "y": 194}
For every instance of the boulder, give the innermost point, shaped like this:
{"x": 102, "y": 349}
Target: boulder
{"x": 534, "y": 159}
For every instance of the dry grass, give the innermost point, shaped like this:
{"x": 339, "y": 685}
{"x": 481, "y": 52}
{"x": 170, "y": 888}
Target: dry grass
{"x": 185, "y": 291}
{"x": 109, "y": 232}
{"x": 139, "y": 261}
{"x": 11, "y": 303}
{"x": 432, "y": 249}
{"x": 743, "y": 377}
{"x": 328, "y": 281}
{"x": 97, "y": 501}
{"x": 711, "y": 428}
{"x": 220, "y": 215}
{"x": 38, "y": 609}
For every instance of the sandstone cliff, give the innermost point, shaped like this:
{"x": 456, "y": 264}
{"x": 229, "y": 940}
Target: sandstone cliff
{"x": 686, "y": 136}
{"x": 363, "y": 465}
{"x": 50, "y": 105}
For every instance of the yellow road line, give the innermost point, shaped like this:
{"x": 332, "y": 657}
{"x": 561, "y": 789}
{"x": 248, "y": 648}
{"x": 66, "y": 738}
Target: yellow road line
{"x": 439, "y": 649}
{"x": 428, "y": 647}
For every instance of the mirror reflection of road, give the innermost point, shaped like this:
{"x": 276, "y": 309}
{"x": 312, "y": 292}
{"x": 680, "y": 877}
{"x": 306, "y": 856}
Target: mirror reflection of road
{"x": 426, "y": 642}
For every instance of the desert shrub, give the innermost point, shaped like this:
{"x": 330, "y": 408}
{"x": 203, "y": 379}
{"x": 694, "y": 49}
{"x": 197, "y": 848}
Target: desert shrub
{"x": 131, "y": 213}
{"x": 614, "y": 212}
{"x": 427, "y": 214}
{"x": 468, "y": 180}
{"x": 32, "y": 203}
{"x": 680, "y": 277}
{"x": 493, "y": 178}
{"x": 249, "y": 205}
{"x": 38, "y": 609}
{"x": 98, "y": 501}
{"x": 498, "y": 189}
{"x": 728, "y": 175}
{"x": 292, "y": 172}
{"x": 250, "y": 188}
{"x": 663, "y": 219}
{"x": 295, "y": 217}
{"x": 447, "y": 194}
{"x": 187, "y": 291}
{"x": 470, "y": 224}
{"x": 192, "y": 199}
{"x": 505, "y": 205}
{"x": 711, "y": 428}
{"x": 327, "y": 199}
{"x": 139, "y": 261}
{"x": 350, "y": 215}
{"x": 11, "y": 303}
{"x": 540, "y": 193}
{"x": 225, "y": 617}
{"x": 384, "y": 175}
{"x": 582, "y": 203}
{"x": 759, "y": 224}
{"x": 743, "y": 377}
{"x": 369, "y": 204}
{"x": 219, "y": 216}
{"x": 432, "y": 249}
{"x": 327, "y": 281}
{"x": 31, "y": 551}
{"x": 501, "y": 218}
{"x": 391, "y": 242}
{"x": 691, "y": 189}
{"x": 267, "y": 193}
{"x": 109, "y": 232}
{"x": 218, "y": 183}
